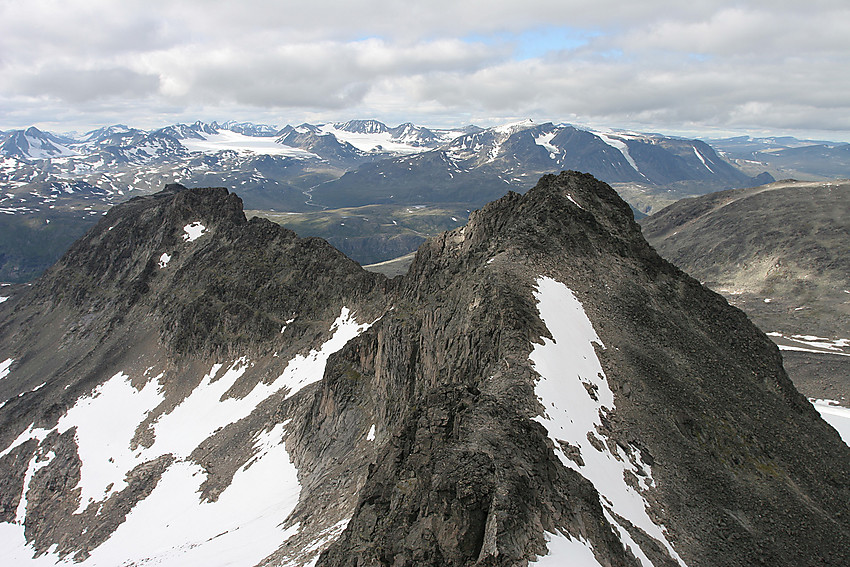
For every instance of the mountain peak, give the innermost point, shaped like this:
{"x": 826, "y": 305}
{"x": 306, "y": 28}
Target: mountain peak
{"x": 571, "y": 200}
{"x": 363, "y": 126}
{"x": 116, "y": 259}
{"x": 539, "y": 380}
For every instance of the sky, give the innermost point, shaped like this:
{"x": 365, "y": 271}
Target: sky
{"x": 710, "y": 68}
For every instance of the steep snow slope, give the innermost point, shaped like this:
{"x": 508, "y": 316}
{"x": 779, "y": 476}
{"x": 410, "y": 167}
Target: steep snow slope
{"x": 182, "y": 527}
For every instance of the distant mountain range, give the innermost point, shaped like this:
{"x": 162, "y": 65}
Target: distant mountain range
{"x": 787, "y": 157}
{"x": 273, "y": 167}
{"x": 45, "y": 177}
{"x": 124, "y": 159}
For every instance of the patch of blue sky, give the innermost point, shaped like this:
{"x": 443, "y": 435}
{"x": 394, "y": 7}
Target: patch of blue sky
{"x": 538, "y": 42}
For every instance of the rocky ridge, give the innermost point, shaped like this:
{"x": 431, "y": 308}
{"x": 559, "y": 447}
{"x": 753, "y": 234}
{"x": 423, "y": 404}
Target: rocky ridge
{"x": 429, "y": 433}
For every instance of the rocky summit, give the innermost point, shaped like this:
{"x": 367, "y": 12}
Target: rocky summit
{"x": 189, "y": 387}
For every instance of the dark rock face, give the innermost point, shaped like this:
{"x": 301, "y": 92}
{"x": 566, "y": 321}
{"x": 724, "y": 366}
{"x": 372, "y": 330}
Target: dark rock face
{"x": 426, "y": 441}
{"x": 238, "y": 284}
{"x": 677, "y": 356}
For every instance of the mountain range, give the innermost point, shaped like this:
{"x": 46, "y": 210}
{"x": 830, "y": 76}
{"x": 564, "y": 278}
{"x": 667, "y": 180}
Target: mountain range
{"x": 539, "y": 388}
{"x": 787, "y": 157}
{"x": 515, "y": 153}
{"x": 48, "y": 182}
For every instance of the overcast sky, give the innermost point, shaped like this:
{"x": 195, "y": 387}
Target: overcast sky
{"x": 708, "y": 67}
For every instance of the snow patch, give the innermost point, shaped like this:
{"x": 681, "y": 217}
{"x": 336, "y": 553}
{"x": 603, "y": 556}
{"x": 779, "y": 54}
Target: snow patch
{"x": 575, "y": 396}
{"x": 5, "y": 367}
{"x": 286, "y": 324}
{"x": 545, "y": 140}
{"x": 371, "y": 435}
{"x": 564, "y": 551}
{"x": 104, "y": 452}
{"x": 37, "y": 462}
{"x": 620, "y": 145}
{"x": 702, "y": 159}
{"x": 835, "y": 415}
{"x": 802, "y": 349}
{"x": 811, "y": 343}
{"x": 31, "y": 432}
{"x": 325, "y": 537}
{"x": 164, "y": 260}
{"x": 193, "y": 231}
{"x": 570, "y": 197}
{"x": 242, "y": 527}
{"x": 304, "y": 370}
{"x": 627, "y": 540}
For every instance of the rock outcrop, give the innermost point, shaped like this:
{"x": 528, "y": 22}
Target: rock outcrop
{"x": 540, "y": 386}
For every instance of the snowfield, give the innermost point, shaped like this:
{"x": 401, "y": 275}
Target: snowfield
{"x": 835, "y": 415}
{"x": 173, "y": 526}
{"x": 569, "y": 371}
{"x": 227, "y": 140}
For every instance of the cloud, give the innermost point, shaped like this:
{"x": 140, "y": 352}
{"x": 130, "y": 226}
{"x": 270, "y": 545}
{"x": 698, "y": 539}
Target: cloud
{"x": 83, "y": 85}
{"x": 658, "y": 64}
{"x": 315, "y": 75}
{"x": 40, "y": 30}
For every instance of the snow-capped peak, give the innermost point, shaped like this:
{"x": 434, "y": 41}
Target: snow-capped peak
{"x": 32, "y": 143}
{"x": 362, "y": 127}
{"x": 513, "y": 127}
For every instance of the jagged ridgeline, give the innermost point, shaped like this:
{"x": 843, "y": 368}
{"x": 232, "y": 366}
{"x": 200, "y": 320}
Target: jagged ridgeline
{"x": 187, "y": 387}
